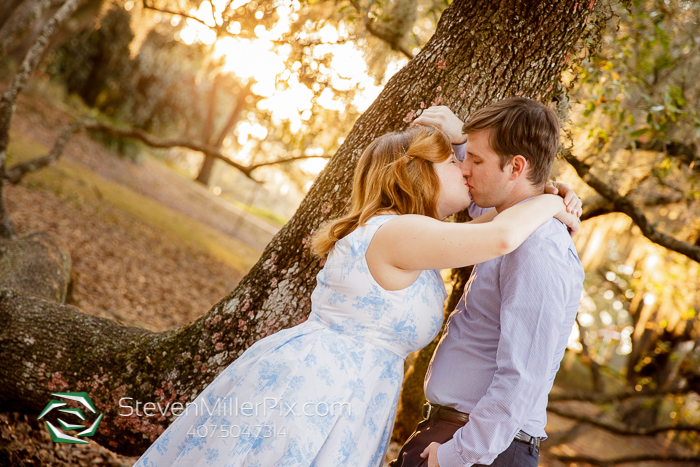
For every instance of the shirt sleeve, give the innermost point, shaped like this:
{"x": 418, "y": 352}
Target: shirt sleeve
{"x": 533, "y": 296}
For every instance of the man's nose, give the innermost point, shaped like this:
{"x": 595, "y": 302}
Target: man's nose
{"x": 466, "y": 168}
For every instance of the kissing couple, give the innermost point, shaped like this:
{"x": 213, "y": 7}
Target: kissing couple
{"x": 380, "y": 296}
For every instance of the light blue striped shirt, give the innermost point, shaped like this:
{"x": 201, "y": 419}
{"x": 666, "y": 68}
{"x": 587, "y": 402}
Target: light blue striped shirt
{"x": 503, "y": 344}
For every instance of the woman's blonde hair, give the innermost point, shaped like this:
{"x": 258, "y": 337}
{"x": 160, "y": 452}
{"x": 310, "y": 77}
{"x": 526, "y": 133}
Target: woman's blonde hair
{"x": 395, "y": 173}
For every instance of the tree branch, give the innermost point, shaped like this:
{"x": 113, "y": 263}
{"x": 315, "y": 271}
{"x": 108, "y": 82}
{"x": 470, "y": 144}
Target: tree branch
{"x": 156, "y": 142}
{"x": 15, "y": 174}
{"x": 627, "y": 459}
{"x": 620, "y": 429}
{"x": 7, "y": 103}
{"x": 599, "y": 206}
{"x": 146, "y": 6}
{"x": 624, "y": 205}
{"x": 586, "y": 396}
{"x": 391, "y": 39}
{"x": 686, "y": 152}
{"x": 285, "y": 160}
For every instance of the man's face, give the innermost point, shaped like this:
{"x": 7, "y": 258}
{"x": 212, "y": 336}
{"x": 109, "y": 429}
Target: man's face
{"x": 488, "y": 183}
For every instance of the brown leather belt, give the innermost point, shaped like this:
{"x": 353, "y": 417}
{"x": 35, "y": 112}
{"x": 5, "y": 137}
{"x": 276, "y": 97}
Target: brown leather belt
{"x": 448, "y": 414}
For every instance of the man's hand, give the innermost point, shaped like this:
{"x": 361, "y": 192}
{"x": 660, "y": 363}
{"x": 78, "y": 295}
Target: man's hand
{"x": 442, "y": 118}
{"x": 431, "y": 453}
{"x": 573, "y": 202}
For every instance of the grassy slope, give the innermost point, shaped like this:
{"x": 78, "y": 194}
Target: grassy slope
{"x": 86, "y": 186}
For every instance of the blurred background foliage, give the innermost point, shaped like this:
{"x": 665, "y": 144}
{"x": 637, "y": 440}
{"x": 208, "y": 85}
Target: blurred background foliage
{"x": 635, "y": 120}
{"x": 261, "y": 81}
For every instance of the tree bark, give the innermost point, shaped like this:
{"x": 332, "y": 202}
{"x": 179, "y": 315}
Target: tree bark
{"x": 19, "y": 22}
{"x": 8, "y": 9}
{"x": 36, "y": 264}
{"x": 482, "y": 51}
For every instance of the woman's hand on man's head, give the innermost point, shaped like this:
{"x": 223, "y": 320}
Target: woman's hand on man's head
{"x": 444, "y": 119}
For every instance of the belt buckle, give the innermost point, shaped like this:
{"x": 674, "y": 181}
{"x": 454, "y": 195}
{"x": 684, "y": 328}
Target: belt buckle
{"x": 535, "y": 443}
{"x": 427, "y": 410}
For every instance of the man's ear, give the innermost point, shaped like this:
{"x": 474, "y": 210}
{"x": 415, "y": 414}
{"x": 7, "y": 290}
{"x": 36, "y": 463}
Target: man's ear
{"x": 518, "y": 166}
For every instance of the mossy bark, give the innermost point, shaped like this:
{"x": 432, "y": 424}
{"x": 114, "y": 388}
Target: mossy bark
{"x": 36, "y": 264}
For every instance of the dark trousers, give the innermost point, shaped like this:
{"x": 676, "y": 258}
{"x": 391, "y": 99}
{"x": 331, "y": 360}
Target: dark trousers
{"x": 517, "y": 455}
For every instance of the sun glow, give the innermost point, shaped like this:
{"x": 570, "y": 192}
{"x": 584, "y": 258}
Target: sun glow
{"x": 263, "y": 61}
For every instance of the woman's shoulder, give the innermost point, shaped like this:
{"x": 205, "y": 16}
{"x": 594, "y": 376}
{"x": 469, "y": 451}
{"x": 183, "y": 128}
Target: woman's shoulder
{"x": 374, "y": 221}
{"x": 379, "y": 218}
{"x": 362, "y": 235}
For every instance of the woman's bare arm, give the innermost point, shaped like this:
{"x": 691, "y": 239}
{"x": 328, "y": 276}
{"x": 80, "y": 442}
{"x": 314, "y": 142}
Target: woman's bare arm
{"x": 413, "y": 242}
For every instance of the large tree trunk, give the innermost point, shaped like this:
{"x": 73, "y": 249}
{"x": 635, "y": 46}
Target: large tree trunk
{"x": 482, "y": 51}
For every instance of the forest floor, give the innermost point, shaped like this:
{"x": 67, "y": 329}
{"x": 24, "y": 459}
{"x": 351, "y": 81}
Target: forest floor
{"x": 151, "y": 248}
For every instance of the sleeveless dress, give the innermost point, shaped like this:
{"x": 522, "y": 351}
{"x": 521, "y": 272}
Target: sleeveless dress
{"x": 322, "y": 393}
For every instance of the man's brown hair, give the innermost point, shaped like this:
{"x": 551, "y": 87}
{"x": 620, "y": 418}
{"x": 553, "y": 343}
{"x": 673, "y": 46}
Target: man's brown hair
{"x": 520, "y": 126}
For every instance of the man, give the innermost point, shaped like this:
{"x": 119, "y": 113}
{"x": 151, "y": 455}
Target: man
{"x": 489, "y": 379}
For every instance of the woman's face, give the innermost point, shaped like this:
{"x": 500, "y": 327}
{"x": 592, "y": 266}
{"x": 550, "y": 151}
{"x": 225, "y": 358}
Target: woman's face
{"x": 454, "y": 190}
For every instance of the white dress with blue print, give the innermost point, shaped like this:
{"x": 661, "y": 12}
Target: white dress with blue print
{"x": 322, "y": 393}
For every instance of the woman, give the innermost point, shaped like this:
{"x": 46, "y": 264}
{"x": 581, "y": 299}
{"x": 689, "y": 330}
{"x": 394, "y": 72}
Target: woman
{"x": 324, "y": 393}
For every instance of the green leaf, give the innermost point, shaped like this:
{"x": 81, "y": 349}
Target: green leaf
{"x": 637, "y": 133}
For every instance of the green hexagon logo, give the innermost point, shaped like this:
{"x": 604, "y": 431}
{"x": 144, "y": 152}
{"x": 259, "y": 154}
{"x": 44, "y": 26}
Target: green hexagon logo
{"x": 61, "y": 437}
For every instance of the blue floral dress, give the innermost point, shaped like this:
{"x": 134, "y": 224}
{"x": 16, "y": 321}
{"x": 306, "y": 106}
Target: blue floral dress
{"x": 323, "y": 393}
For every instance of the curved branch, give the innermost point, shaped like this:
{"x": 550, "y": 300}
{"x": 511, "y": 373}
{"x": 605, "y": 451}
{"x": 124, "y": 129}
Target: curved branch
{"x": 146, "y": 6}
{"x": 17, "y": 172}
{"x": 599, "y": 206}
{"x": 619, "y": 429}
{"x": 628, "y": 459}
{"x": 624, "y": 205}
{"x": 391, "y": 39}
{"x": 156, "y": 142}
{"x": 208, "y": 150}
{"x": 285, "y": 160}
{"x": 619, "y": 396}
